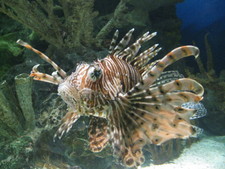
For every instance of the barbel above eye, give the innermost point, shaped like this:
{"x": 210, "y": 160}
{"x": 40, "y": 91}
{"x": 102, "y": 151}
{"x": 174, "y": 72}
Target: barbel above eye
{"x": 94, "y": 73}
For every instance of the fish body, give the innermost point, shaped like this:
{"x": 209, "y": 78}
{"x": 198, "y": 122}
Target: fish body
{"x": 134, "y": 102}
{"x": 92, "y": 86}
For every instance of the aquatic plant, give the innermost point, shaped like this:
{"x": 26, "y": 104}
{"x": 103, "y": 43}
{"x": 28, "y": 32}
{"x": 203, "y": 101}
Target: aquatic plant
{"x": 63, "y": 23}
{"x": 68, "y": 24}
{"x": 7, "y": 42}
{"x": 8, "y": 51}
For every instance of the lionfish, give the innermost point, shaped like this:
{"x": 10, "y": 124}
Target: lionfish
{"x": 131, "y": 104}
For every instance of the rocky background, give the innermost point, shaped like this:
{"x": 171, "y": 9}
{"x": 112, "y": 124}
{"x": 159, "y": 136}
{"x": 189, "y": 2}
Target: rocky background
{"x": 71, "y": 31}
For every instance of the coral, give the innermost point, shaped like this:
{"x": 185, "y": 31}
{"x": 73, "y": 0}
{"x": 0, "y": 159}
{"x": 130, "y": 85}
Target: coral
{"x": 68, "y": 24}
{"x": 23, "y": 85}
{"x": 17, "y": 111}
{"x": 9, "y": 110}
{"x": 209, "y": 72}
{"x": 16, "y": 117}
{"x": 132, "y": 13}
{"x": 61, "y": 22}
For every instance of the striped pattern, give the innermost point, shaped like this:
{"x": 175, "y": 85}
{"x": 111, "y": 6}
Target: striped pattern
{"x": 141, "y": 103}
{"x": 54, "y": 79}
{"x": 152, "y": 116}
{"x": 97, "y": 133}
{"x": 167, "y": 60}
{"x": 44, "y": 57}
{"x": 117, "y": 76}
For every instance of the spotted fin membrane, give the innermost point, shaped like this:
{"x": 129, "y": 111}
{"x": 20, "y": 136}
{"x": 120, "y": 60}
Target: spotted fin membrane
{"x": 151, "y": 112}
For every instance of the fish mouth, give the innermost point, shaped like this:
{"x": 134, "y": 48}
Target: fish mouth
{"x": 68, "y": 93}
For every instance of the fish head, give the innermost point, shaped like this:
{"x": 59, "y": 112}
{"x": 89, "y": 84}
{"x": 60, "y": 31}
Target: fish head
{"x": 79, "y": 87}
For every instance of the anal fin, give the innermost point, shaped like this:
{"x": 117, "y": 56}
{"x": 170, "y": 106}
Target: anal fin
{"x": 98, "y": 135}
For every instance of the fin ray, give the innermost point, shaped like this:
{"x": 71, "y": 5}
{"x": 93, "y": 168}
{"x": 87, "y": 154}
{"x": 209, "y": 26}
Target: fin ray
{"x": 123, "y": 42}
{"x": 113, "y": 42}
{"x": 166, "y": 77}
{"x": 67, "y": 122}
{"x": 167, "y": 60}
{"x": 184, "y": 84}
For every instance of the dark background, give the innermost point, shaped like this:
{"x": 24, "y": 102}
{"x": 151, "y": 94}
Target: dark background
{"x": 200, "y": 17}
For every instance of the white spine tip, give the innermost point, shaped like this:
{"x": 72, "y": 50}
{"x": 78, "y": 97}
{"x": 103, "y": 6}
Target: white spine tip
{"x": 20, "y": 42}
{"x": 146, "y": 34}
{"x": 116, "y": 32}
{"x": 132, "y": 30}
{"x": 197, "y": 52}
{"x": 35, "y": 68}
{"x": 154, "y": 33}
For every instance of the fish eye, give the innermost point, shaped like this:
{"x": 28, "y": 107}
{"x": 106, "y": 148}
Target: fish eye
{"x": 94, "y": 73}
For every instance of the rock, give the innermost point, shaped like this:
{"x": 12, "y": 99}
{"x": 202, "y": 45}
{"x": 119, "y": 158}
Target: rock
{"x": 19, "y": 153}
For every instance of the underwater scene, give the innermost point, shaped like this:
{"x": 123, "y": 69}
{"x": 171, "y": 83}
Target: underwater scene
{"x": 112, "y": 84}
